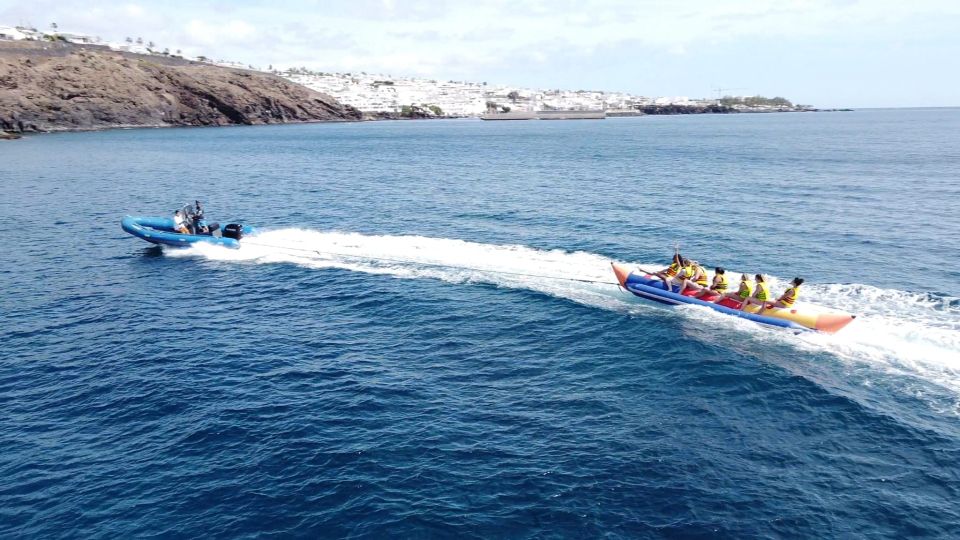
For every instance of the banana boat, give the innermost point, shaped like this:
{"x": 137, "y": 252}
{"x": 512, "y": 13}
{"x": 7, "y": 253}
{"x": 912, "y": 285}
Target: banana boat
{"x": 650, "y": 287}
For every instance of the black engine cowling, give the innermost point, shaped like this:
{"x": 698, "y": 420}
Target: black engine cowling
{"x": 233, "y": 230}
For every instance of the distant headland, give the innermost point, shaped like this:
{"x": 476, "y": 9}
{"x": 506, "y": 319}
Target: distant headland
{"x": 59, "y": 86}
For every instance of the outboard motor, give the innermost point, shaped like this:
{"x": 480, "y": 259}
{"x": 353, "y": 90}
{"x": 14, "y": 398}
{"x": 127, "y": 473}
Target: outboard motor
{"x": 233, "y": 230}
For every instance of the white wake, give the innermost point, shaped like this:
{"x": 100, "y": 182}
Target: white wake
{"x": 900, "y": 331}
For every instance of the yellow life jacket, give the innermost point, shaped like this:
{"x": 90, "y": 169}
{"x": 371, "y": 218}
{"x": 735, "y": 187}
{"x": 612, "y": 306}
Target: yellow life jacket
{"x": 720, "y": 283}
{"x": 672, "y": 270}
{"x": 790, "y": 296}
{"x": 686, "y": 272}
{"x": 746, "y": 289}
{"x": 701, "y": 276}
{"x": 763, "y": 291}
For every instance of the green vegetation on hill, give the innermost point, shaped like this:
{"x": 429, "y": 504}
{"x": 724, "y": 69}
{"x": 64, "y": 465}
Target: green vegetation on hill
{"x": 420, "y": 111}
{"x": 756, "y": 101}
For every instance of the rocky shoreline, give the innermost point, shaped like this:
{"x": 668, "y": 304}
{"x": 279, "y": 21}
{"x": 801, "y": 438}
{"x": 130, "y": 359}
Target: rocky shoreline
{"x": 46, "y": 87}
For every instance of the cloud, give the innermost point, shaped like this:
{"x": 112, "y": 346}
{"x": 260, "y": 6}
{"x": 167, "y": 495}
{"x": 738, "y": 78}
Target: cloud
{"x": 133, "y": 11}
{"x": 426, "y": 35}
{"x": 488, "y": 39}
{"x": 230, "y": 32}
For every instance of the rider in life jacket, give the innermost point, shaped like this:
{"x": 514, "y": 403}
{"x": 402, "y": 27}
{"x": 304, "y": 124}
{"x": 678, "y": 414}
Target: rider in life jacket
{"x": 760, "y": 296}
{"x": 719, "y": 285}
{"x": 686, "y": 272}
{"x": 789, "y": 296}
{"x": 692, "y": 275}
{"x": 669, "y": 272}
{"x": 745, "y": 291}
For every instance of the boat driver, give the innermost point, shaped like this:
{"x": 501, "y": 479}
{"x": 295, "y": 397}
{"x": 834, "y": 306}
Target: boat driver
{"x": 199, "y": 227}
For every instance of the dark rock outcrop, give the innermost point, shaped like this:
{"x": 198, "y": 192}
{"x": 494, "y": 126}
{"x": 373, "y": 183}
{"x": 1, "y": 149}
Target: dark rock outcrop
{"x": 63, "y": 87}
{"x": 686, "y": 109}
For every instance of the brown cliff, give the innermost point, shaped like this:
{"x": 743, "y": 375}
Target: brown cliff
{"x": 62, "y": 87}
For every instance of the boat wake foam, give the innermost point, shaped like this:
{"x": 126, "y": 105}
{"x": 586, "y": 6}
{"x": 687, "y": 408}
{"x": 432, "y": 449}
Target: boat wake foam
{"x": 902, "y": 332}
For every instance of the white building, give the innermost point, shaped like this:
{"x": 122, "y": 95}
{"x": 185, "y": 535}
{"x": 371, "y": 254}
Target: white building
{"x": 129, "y": 47}
{"x": 73, "y": 37}
{"x": 24, "y": 33}
{"x": 17, "y": 33}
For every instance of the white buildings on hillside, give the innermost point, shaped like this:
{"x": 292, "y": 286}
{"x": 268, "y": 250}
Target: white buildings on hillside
{"x": 15, "y": 33}
{"x": 138, "y": 46}
{"x": 129, "y": 47}
{"x": 77, "y": 38}
{"x": 384, "y": 93}
{"x": 24, "y": 33}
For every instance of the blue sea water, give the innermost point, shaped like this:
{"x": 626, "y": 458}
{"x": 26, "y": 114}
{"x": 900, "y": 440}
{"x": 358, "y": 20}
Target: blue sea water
{"x": 391, "y": 356}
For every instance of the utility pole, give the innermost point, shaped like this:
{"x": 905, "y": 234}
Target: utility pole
{"x": 720, "y": 91}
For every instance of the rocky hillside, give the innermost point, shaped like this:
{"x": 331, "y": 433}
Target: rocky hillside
{"x": 58, "y": 87}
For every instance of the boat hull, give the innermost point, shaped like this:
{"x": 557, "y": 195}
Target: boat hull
{"x": 651, "y": 288}
{"x": 159, "y": 230}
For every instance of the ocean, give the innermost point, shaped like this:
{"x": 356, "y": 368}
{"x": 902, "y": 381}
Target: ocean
{"x": 425, "y": 338}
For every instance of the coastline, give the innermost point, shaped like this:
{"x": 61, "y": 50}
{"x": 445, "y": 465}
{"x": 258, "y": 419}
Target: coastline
{"x": 367, "y": 117}
{"x": 64, "y": 87}
{"x": 13, "y": 135}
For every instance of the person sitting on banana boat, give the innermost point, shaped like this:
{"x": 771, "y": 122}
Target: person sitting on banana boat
{"x": 687, "y": 272}
{"x": 789, "y": 296}
{"x": 684, "y": 272}
{"x": 761, "y": 295}
{"x": 669, "y": 272}
{"x": 745, "y": 291}
{"x": 718, "y": 286}
{"x": 692, "y": 275}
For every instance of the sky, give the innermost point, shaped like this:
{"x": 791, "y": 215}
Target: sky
{"x": 842, "y": 53}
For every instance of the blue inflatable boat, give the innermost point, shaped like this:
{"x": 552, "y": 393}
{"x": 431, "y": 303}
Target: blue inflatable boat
{"x": 160, "y": 230}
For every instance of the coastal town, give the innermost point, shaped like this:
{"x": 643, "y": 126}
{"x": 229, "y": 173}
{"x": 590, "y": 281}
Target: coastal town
{"x": 386, "y": 93}
{"x": 402, "y": 96}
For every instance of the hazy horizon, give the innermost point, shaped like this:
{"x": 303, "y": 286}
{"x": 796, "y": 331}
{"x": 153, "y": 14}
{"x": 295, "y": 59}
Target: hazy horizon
{"x": 879, "y": 54}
